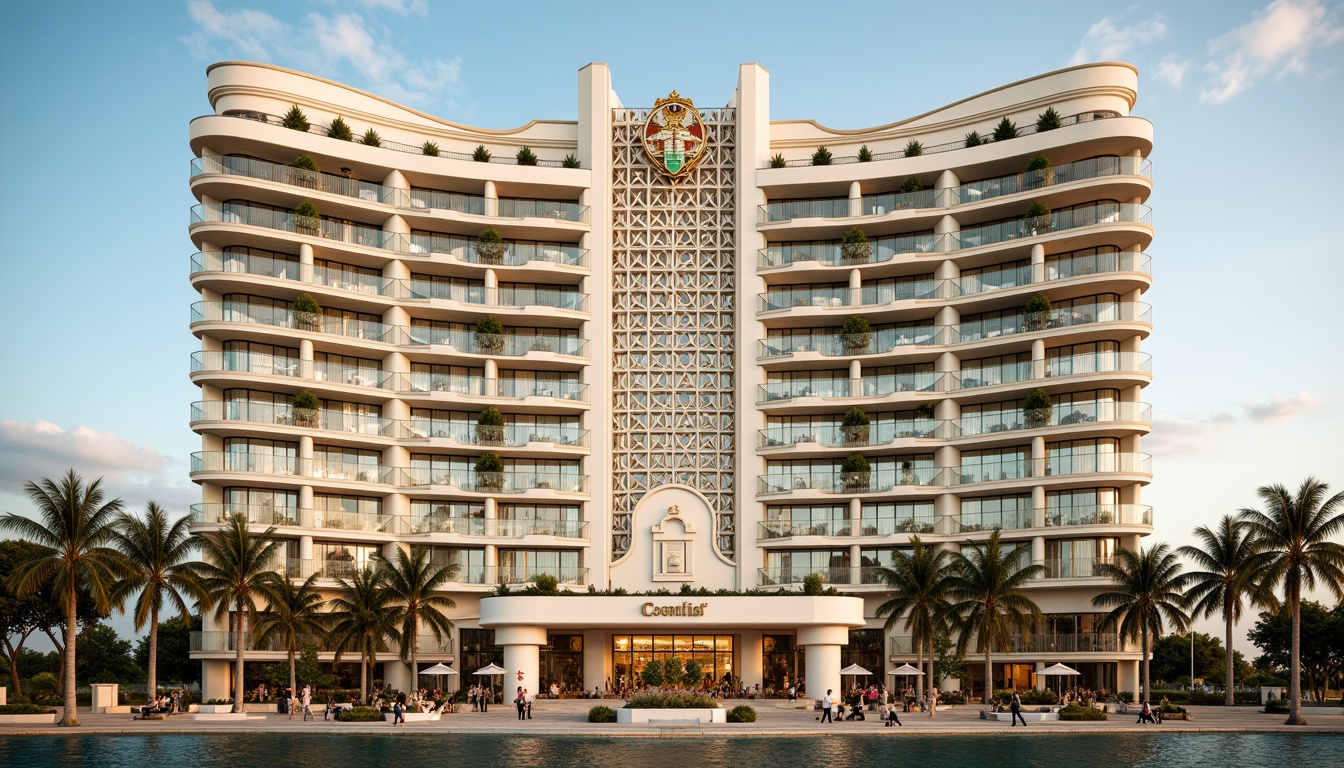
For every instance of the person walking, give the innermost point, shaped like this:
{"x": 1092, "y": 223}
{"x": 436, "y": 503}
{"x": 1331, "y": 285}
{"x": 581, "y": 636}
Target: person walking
{"x": 826, "y": 704}
{"x": 1015, "y": 707}
{"x": 397, "y": 716}
{"x": 527, "y": 698}
{"x": 521, "y": 701}
{"x": 307, "y": 700}
{"x": 933, "y": 702}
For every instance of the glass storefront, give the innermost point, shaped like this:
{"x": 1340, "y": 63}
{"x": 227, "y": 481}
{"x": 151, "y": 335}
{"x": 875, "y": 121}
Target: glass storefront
{"x": 781, "y": 659}
{"x": 561, "y": 663}
{"x": 629, "y": 654}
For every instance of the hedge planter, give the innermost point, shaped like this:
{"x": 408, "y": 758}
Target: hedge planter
{"x": 655, "y": 716}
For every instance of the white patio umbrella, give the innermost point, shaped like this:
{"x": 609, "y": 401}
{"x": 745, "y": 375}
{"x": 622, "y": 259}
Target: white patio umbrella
{"x": 1058, "y": 670}
{"x": 906, "y": 669}
{"x": 439, "y": 670}
{"x": 855, "y": 670}
{"x": 491, "y": 670}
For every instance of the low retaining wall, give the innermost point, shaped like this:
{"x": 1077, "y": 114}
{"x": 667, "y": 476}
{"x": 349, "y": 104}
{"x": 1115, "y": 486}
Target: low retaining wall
{"x": 671, "y": 716}
{"x": 227, "y": 717}
{"x": 28, "y": 719}
{"x": 1030, "y": 717}
{"x": 413, "y": 717}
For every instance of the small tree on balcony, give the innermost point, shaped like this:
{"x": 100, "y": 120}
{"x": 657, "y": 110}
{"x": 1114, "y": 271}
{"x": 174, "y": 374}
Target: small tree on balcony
{"x": 856, "y": 334}
{"x": 855, "y": 248}
{"x": 305, "y": 171}
{"x": 429, "y": 148}
{"x": 339, "y": 129}
{"x": 1037, "y": 217}
{"x": 526, "y": 156}
{"x": 914, "y": 149}
{"x": 371, "y": 139}
{"x": 855, "y": 472}
{"x": 865, "y": 154}
{"x": 974, "y": 139}
{"x": 1005, "y": 130}
{"x": 778, "y": 161}
{"x": 489, "y": 472}
{"x": 489, "y": 334}
{"x": 1047, "y": 120}
{"x": 480, "y": 154}
{"x": 1036, "y": 409}
{"x": 924, "y": 411}
{"x": 306, "y": 406}
{"x": 814, "y": 584}
{"x": 307, "y": 313}
{"x": 912, "y": 184}
{"x": 490, "y": 247}
{"x": 570, "y": 161}
{"x": 295, "y": 120}
{"x": 822, "y": 156}
{"x": 1039, "y": 172}
{"x": 1037, "y": 312}
{"x": 490, "y": 426}
{"x": 855, "y": 426}
{"x": 306, "y": 217}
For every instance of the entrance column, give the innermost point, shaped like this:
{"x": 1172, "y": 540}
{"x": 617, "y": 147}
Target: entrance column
{"x": 1127, "y": 677}
{"x": 522, "y": 658}
{"x": 751, "y": 660}
{"x": 822, "y": 652}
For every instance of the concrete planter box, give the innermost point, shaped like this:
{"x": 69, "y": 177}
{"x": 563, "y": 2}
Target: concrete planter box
{"x": 1030, "y": 717}
{"x": 413, "y": 717}
{"x": 28, "y": 719}
{"x": 681, "y": 716}
{"x": 227, "y": 717}
{"x": 213, "y": 709}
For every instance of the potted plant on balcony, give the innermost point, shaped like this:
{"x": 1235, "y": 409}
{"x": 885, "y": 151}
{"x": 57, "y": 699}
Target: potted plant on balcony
{"x": 974, "y": 139}
{"x": 1005, "y": 130}
{"x": 489, "y": 473}
{"x": 822, "y": 156}
{"x": 480, "y": 154}
{"x": 1048, "y": 120}
{"x": 526, "y": 156}
{"x": 1036, "y": 409}
{"x": 912, "y": 184}
{"x": 914, "y": 149}
{"x": 778, "y": 161}
{"x": 855, "y": 473}
{"x": 924, "y": 411}
{"x": 541, "y": 345}
{"x": 855, "y": 427}
{"x": 490, "y": 247}
{"x": 305, "y": 171}
{"x": 371, "y": 139}
{"x": 305, "y": 218}
{"x": 570, "y": 161}
{"x": 305, "y": 406}
{"x": 490, "y": 427}
{"x": 307, "y": 313}
{"x": 429, "y": 148}
{"x": 339, "y": 129}
{"x": 1039, "y": 173}
{"x": 295, "y": 120}
{"x": 1036, "y": 312}
{"x": 489, "y": 334}
{"x": 1037, "y": 218}
{"x": 865, "y": 154}
{"x": 855, "y": 334}
{"x": 855, "y": 248}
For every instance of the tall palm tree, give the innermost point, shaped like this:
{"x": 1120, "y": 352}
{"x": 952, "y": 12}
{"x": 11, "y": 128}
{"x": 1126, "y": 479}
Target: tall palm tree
{"x": 1231, "y": 563}
{"x": 163, "y": 570}
{"x": 75, "y": 532}
{"x": 413, "y": 582}
{"x": 238, "y": 566}
{"x": 1296, "y": 531}
{"x": 363, "y": 619}
{"x": 292, "y": 612}
{"x": 986, "y": 588}
{"x": 919, "y": 585}
{"x": 1148, "y": 586}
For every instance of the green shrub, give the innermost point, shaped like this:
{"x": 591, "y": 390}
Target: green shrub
{"x": 371, "y": 139}
{"x": 306, "y": 400}
{"x": 914, "y": 149}
{"x": 855, "y": 417}
{"x": 526, "y": 156}
{"x": 652, "y": 674}
{"x": 778, "y": 161}
{"x": 490, "y": 247}
{"x": 306, "y": 311}
{"x": 359, "y": 715}
{"x": 822, "y": 156}
{"x": 951, "y": 697}
{"x": 1005, "y": 130}
{"x": 25, "y": 709}
{"x": 813, "y": 584}
{"x": 855, "y": 247}
{"x": 672, "y": 700}
{"x": 856, "y": 333}
{"x": 741, "y": 714}
{"x": 1125, "y": 696}
{"x": 693, "y": 673}
{"x": 601, "y": 714}
{"x": 304, "y": 163}
{"x": 306, "y": 209}
{"x": 570, "y": 161}
{"x": 339, "y": 129}
{"x": 1047, "y": 120}
{"x": 1038, "y": 163}
{"x": 1038, "y": 215}
{"x": 1074, "y": 712}
{"x": 489, "y": 334}
{"x": 1276, "y": 707}
{"x": 489, "y": 462}
{"x": 295, "y": 119}
{"x": 429, "y": 148}
{"x": 220, "y": 701}
{"x": 856, "y": 471}
{"x": 912, "y": 184}
{"x": 480, "y": 154}
{"x": 865, "y": 156}
{"x": 974, "y": 139}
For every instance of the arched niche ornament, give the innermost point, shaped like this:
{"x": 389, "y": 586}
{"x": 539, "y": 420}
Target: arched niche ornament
{"x": 673, "y": 553}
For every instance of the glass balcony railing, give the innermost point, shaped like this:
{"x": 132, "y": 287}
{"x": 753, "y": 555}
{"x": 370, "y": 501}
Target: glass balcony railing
{"x": 561, "y": 390}
{"x": 233, "y": 461}
{"x": 255, "y": 514}
{"x": 1089, "y": 642}
{"x": 244, "y": 362}
{"x": 286, "y": 414}
{"x": 1100, "y": 514}
{"x": 494, "y": 482}
{"x": 788, "y": 390}
{"x": 1071, "y": 218}
{"x": 508, "y": 345}
{"x": 514, "y": 253}
{"x": 220, "y": 640}
{"x": 840, "y": 345}
{"x": 1056, "y": 416}
{"x": 1100, "y": 362}
{"x": 784, "y": 576}
{"x": 475, "y": 386}
{"x": 512, "y": 208}
{"x": 841, "y": 208}
{"x": 835, "y": 436}
{"x": 786, "y": 529}
{"x": 286, "y": 221}
{"x": 284, "y": 317}
{"x": 496, "y": 528}
{"x": 833, "y": 254}
{"x": 956, "y": 525}
{"x": 1074, "y": 567}
{"x": 511, "y": 435}
{"x": 835, "y": 481}
{"x": 1060, "y": 465}
{"x": 522, "y": 574}
{"x": 497, "y": 297}
{"x": 1062, "y": 317}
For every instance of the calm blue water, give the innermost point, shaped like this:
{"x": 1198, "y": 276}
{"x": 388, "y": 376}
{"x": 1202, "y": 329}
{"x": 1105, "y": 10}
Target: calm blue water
{"x": 478, "y": 751}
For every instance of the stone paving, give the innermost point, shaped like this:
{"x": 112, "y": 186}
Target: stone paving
{"x": 569, "y": 718}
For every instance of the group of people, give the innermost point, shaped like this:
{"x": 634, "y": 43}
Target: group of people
{"x": 524, "y": 703}
{"x": 303, "y": 700}
{"x": 480, "y": 697}
{"x": 875, "y": 698}
{"x": 165, "y": 704}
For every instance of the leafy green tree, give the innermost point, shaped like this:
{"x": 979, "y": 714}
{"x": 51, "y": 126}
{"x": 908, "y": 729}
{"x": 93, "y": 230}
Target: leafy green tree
{"x": 174, "y": 663}
{"x": 104, "y": 657}
{"x": 239, "y": 566}
{"x": 1005, "y": 130}
{"x": 1298, "y": 531}
{"x": 310, "y": 669}
{"x": 653, "y": 673}
{"x": 674, "y": 672}
{"x": 364, "y": 618}
{"x": 987, "y": 601}
{"x": 295, "y": 120}
{"x": 692, "y": 674}
{"x": 75, "y": 531}
{"x": 1321, "y": 652}
{"x": 1146, "y": 588}
{"x": 947, "y": 662}
{"x": 293, "y": 613}
{"x": 1171, "y": 657}
{"x": 414, "y": 583}
{"x": 20, "y": 615}
{"x": 918, "y": 582}
{"x": 163, "y": 571}
{"x": 1230, "y": 563}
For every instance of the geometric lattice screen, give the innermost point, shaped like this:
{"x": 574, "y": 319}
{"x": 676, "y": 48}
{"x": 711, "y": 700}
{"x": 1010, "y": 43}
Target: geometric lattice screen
{"x": 673, "y": 325}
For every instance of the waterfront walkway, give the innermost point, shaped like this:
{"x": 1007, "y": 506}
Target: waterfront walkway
{"x": 569, "y": 718}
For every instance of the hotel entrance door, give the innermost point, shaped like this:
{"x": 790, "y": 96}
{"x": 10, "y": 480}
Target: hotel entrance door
{"x": 716, "y": 655}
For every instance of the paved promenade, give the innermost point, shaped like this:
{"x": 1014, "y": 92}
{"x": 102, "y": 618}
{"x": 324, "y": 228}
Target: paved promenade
{"x": 569, "y": 718}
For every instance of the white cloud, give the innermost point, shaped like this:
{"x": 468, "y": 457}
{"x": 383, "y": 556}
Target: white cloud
{"x": 1112, "y": 38}
{"x": 1276, "y": 42}
{"x": 1283, "y": 408}
{"x": 1177, "y": 438}
{"x": 1171, "y": 70}
{"x": 347, "y": 45}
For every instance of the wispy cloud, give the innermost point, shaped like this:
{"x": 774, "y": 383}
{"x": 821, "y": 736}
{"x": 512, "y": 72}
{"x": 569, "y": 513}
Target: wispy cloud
{"x": 348, "y": 45}
{"x": 1283, "y": 408}
{"x": 30, "y": 451}
{"x": 1113, "y": 37}
{"x": 1171, "y": 70}
{"x": 1276, "y": 42}
{"x": 1175, "y": 438}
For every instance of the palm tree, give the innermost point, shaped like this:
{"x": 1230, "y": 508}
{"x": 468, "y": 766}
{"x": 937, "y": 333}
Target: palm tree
{"x": 918, "y": 581}
{"x": 363, "y": 618}
{"x": 238, "y": 566}
{"x": 1296, "y": 531}
{"x": 1148, "y": 586}
{"x": 412, "y": 581}
{"x": 987, "y": 586}
{"x": 1232, "y": 563}
{"x": 75, "y": 531}
{"x": 292, "y": 612}
{"x": 160, "y": 553}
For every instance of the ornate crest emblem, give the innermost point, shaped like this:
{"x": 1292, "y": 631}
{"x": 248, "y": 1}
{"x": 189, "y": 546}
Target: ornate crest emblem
{"x": 674, "y": 135}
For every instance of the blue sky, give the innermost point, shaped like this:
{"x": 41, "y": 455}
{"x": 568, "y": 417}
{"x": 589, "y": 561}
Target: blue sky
{"x": 1245, "y": 96}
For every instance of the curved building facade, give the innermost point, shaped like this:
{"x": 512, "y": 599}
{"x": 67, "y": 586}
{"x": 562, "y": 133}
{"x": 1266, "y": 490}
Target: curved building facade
{"x": 676, "y": 345}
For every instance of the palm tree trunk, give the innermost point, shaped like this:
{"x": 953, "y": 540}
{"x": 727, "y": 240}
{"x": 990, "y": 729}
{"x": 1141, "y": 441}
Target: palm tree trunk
{"x": 1143, "y": 634}
{"x": 989, "y": 675}
{"x": 240, "y": 629}
{"x": 1295, "y": 665}
{"x": 293, "y": 680}
{"x": 919, "y": 663}
{"x": 415, "y": 646}
{"x": 364, "y": 677}
{"x": 1227, "y": 612}
{"x": 72, "y": 717}
{"x": 153, "y": 652}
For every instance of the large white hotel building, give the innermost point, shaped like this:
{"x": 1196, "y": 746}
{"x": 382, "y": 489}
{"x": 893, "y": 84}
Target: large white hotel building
{"x": 670, "y": 367}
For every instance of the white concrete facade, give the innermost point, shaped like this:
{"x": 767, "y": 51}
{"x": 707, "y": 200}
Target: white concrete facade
{"x": 672, "y": 377}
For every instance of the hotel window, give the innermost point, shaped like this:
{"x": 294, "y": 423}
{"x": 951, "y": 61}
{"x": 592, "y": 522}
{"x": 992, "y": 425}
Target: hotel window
{"x": 272, "y": 457}
{"x": 436, "y": 469}
{"x": 519, "y": 565}
{"x": 261, "y": 262}
{"x": 1082, "y": 507}
{"x": 1082, "y": 358}
{"x": 345, "y": 369}
{"x": 470, "y": 563}
{"x": 991, "y": 417}
{"x": 792, "y": 565}
{"x": 992, "y": 278}
{"x": 450, "y": 288}
{"x": 802, "y": 520}
{"x": 464, "y": 380}
{"x": 464, "y": 517}
{"x": 883, "y": 518}
{"x": 263, "y": 506}
{"x": 338, "y": 463}
{"x": 1078, "y": 558}
{"x": 988, "y": 371}
{"x": 885, "y": 290}
{"x": 347, "y": 277}
{"x": 997, "y": 464}
{"x": 1084, "y": 407}
{"x": 1062, "y": 266}
{"x": 251, "y": 357}
{"x": 873, "y": 558}
{"x": 987, "y": 513}
{"x": 544, "y": 519}
{"x": 340, "y": 559}
{"x": 1082, "y": 456}
{"x": 919, "y": 377}
{"x": 348, "y": 512}
{"x": 789, "y": 384}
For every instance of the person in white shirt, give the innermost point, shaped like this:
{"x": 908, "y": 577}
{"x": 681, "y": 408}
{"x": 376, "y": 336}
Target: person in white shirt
{"x": 827, "y": 703}
{"x": 307, "y": 698}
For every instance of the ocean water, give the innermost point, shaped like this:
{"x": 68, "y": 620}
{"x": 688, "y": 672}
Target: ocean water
{"x": 1019, "y": 750}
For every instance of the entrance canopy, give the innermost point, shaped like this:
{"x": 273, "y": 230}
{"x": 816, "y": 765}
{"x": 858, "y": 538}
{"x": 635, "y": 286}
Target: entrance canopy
{"x": 663, "y": 614}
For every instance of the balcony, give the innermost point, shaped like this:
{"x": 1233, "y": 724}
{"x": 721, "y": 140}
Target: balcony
{"x": 832, "y": 254}
{"x": 1074, "y": 567}
{"x": 476, "y": 386}
{"x": 844, "y": 208}
{"x": 518, "y": 298}
{"x": 834, "y": 344}
{"x": 515, "y": 253}
{"x": 1088, "y": 642}
{"x": 786, "y": 576}
{"x": 956, "y": 525}
{"x": 285, "y": 414}
{"x": 510, "y": 435}
{"x": 499, "y": 529}
{"x": 1071, "y": 414}
{"x": 1033, "y": 226}
{"x": 876, "y": 434}
{"x": 504, "y": 344}
{"x": 870, "y": 386}
{"x": 284, "y": 317}
{"x": 1018, "y": 469}
{"x": 835, "y": 481}
{"x": 227, "y": 641}
{"x": 285, "y": 221}
{"x": 214, "y": 514}
{"x": 510, "y": 482}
